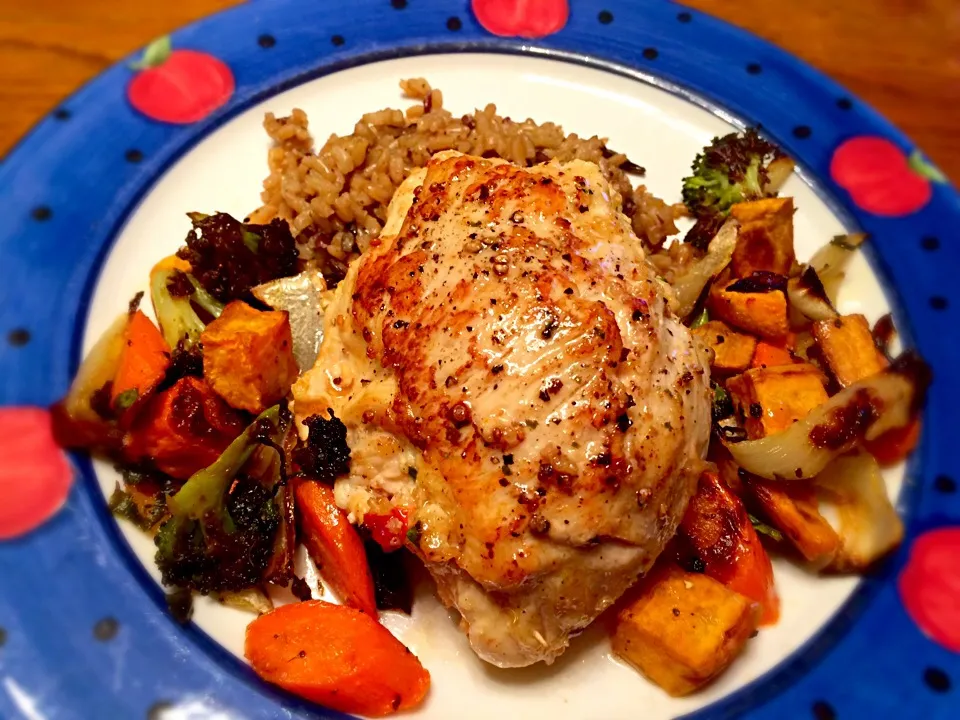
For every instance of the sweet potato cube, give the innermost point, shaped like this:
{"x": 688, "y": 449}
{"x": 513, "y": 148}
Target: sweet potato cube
{"x": 732, "y": 351}
{"x": 766, "y": 236}
{"x": 763, "y": 314}
{"x": 771, "y": 399}
{"x": 683, "y": 629}
{"x": 847, "y": 345}
{"x": 248, "y": 356}
{"x": 794, "y": 510}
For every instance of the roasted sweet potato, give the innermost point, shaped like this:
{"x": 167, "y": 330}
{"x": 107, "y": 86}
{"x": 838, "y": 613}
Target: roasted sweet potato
{"x": 183, "y": 429}
{"x": 683, "y": 629}
{"x": 719, "y": 530}
{"x": 771, "y": 399}
{"x": 848, "y": 347}
{"x": 760, "y": 313}
{"x": 248, "y": 356}
{"x": 337, "y": 656}
{"x": 793, "y": 509}
{"x": 770, "y": 355}
{"x": 766, "y": 236}
{"x": 143, "y": 364}
{"x": 732, "y": 351}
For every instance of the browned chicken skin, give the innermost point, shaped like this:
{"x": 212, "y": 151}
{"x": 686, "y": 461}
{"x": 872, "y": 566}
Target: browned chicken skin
{"x": 510, "y": 375}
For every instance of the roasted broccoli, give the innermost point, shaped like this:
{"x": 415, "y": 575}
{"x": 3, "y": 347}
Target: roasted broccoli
{"x": 732, "y": 169}
{"x": 229, "y": 258}
{"x": 175, "y": 295}
{"x": 223, "y": 521}
{"x": 326, "y": 454}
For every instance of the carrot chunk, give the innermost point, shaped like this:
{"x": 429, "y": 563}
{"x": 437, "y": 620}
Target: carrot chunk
{"x": 336, "y": 656}
{"x": 143, "y": 362}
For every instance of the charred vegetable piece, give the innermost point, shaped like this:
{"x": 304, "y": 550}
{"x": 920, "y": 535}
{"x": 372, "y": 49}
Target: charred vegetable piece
{"x": 732, "y": 351}
{"x": 391, "y": 584}
{"x": 794, "y": 510}
{"x": 682, "y": 629}
{"x": 183, "y": 429}
{"x": 144, "y": 508}
{"x": 732, "y": 169}
{"x": 173, "y": 302}
{"x": 895, "y": 445}
{"x": 222, "y": 525}
{"x": 325, "y": 454}
{"x": 762, "y": 313}
{"x": 689, "y": 286}
{"x": 773, "y": 398}
{"x": 337, "y": 656}
{"x": 334, "y": 545}
{"x": 719, "y": 529}
{"x": 770, "y": 354}
{"x": 229, "y": 258}
{"x": 143, "y": 364}
{"x": 848, "y": 347}
{"x": 766, "y": 236}
{"x": 248, "y": 356}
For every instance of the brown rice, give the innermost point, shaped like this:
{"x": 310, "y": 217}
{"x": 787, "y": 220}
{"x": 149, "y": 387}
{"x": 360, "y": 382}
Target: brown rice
{"x": 336, "y": 199}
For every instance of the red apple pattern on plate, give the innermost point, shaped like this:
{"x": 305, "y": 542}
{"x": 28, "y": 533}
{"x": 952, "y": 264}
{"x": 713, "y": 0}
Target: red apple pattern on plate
{"x": 521, "y": 18}
{"x": 179, "y": 86}
{"x": 880, "y": 178}
{"x": 930, "y": 586}
{"x": 35, "y": 475}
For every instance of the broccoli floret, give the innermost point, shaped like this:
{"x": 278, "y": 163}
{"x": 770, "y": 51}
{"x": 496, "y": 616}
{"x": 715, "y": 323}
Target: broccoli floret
{"x": 229, "y": 257}
{"x": 732, "y": 169}
{"x": 326, "y": 454}
{"x": 223, "y": 521}
{"x": 174, "y": 294}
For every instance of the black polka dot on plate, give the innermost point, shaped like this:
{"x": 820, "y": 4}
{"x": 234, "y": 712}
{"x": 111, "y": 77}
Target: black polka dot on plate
{"x": 454, "y": 24}
{"x": 605, "y": 16}
{"x": 3, "y": 637}
{"x": 18, "y": 337}
{"x": 684, "y": 17}
{"x": 945, "y": 484}
{"x": 41, "y": 213}
{"x": 754, "y": 68}
{"x": 938, "y": 302}
{"x": 936, "y": 679}
{"x": 823, "y": 711}
{"x": 930, "y": 243}
{"x": 61, "y": 114}
{"x": 159, "y": 710}
{"x": 133, "y": 156}
{"x": 106, "y": 629}
{"x": 337, "y": 40}
{"x": 802, "y": 132}
{"x": 844, "y": 103}
{"x": 266, "y": 41}
{"x": 398, "y": 4}
{"x": 650, "y": 53}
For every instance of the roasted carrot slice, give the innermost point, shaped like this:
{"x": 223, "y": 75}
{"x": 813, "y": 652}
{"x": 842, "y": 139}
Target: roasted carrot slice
{"x": 895, "y": 445}
{"x": 719, "y": 530}
{"x": 335, "y": 546}
{"x": 337, "y": 656}
{"x": 143, "y": 362}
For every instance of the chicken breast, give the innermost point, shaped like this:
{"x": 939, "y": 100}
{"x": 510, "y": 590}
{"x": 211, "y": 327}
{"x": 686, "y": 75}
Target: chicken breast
{"x": 517, "y": 391}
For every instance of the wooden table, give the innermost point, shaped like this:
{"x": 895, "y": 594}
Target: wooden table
{"x": 901, "y": 56}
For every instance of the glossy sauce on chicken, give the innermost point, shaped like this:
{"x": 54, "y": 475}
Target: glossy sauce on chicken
{"x": 511, "y": 377}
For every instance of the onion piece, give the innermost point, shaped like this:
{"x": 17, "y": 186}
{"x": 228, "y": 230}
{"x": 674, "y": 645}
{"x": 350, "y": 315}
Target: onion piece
{"x": 302, "y": 296}
{"x": 808, "y": 296}
{"x": 853, "y": 495}
{"x": 831, "y": 259}
{"x": 98, "y": 368}
{"x": 253, "y": 600}
{"x": 778, "y": 172}
{"x": 863, "y": 411}
{"x": 719, "y": 253}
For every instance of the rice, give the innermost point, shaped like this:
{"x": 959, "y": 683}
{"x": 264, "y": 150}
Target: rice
{"x": 335, "y": 198}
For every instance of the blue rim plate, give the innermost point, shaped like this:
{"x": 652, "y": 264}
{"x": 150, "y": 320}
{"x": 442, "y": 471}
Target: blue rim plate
{"x": 79, "y": 636}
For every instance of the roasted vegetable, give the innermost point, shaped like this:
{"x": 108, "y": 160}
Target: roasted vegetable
{"x": 303, "y": 298}
{"x": 143, "y": 365}
{"x": 229, "y": 258}
{"x": 334, "y": 545}
{"x": 766, "y": 236}
{"x": 325, "y": 454}
{"x": 174, "y": 294}
{"x": 895, "y": 446}
{"x": 808, "y": 297}
{"x": 770, "y": 354}
{"x": 732, "y": 169}
{"x": 222, "y": 525}
{"x": 864, "y": 411}
{"x": 682, "y": 629}
{"x": 761, "y": 312}
{"x": 773, "y": 398}
{"x": 732, "y": 351}
{"x": 142, "y": 506}
{"x": 248, "y": 356}
{"x": 847, "y": 345}
{"x": 183, "y": 429}
{"x": 719, "y": 530}
{"x": 689, "y": 286}
{"x": 830, "y": 261}
{"x": 794, "y": 510}
{"x": 853, "y": 491}
{"x": 336, "y": 656}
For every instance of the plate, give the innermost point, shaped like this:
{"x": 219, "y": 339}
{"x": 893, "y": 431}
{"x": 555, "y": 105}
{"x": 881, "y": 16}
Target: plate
{"x": 97, "y": 192}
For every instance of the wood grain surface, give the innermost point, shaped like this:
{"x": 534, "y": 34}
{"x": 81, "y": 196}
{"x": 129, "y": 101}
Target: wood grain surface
{"x": 901, "y": 56}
